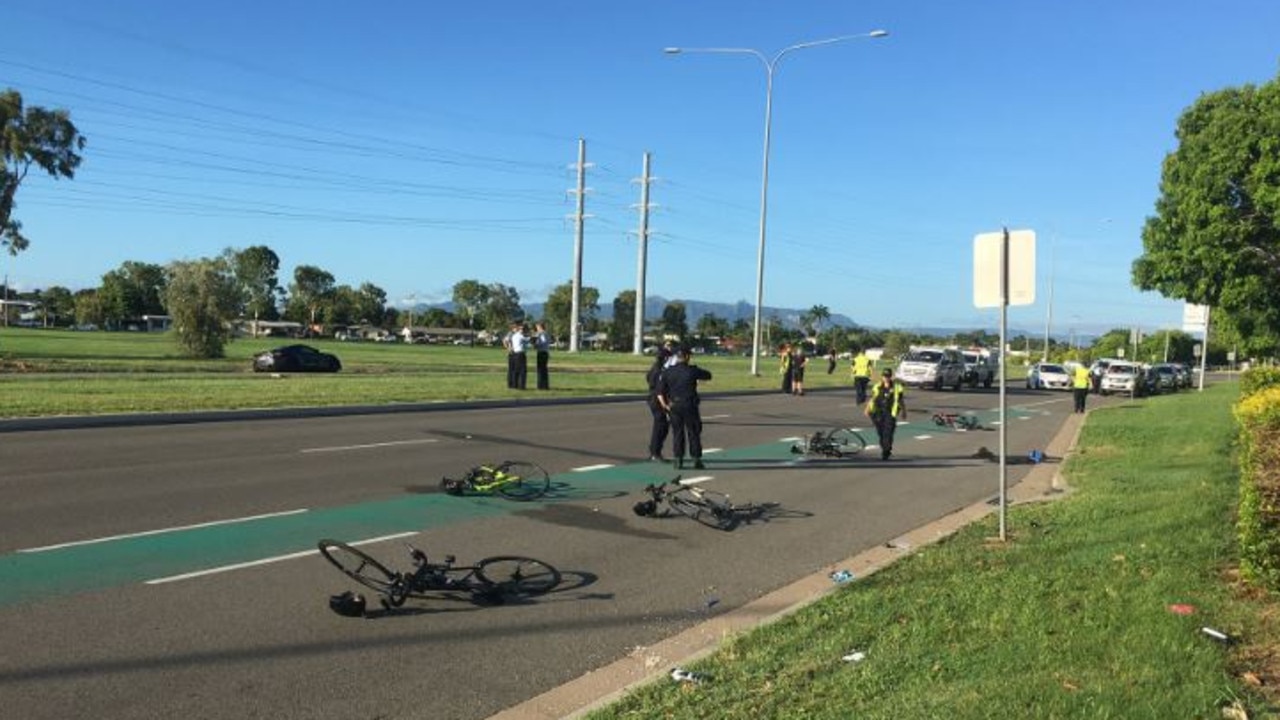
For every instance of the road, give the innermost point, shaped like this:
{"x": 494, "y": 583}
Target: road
{"x": 169, "y": 571}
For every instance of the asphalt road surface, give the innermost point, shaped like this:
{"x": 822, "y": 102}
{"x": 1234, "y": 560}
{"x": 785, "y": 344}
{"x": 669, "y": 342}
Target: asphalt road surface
{"x": 170, "y": 571}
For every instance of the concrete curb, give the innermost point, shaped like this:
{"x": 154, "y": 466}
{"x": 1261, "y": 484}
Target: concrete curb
{"x": 604, "y": 685}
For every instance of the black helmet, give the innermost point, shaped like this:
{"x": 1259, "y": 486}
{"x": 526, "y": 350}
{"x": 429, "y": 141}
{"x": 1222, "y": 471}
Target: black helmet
{"x": 348, "y": 604}
{"x": 645, "y": 508}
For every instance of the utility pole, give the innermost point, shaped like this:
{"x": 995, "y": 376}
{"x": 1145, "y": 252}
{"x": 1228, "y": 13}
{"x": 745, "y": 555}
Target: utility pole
{"x": 579, "y": 223}
{"x": 643, "y": 242}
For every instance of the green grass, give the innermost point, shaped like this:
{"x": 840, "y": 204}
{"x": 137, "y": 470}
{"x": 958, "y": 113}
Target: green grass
{"x": 52, "y": 372}
{"x": 1069, "y": 619}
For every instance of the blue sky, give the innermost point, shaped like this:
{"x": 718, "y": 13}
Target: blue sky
{"x": 417, "y": 144}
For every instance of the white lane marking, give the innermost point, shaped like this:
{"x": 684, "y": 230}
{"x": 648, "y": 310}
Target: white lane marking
{"x": 389, "y": 443}
{"x": 1025, "y": 417}
{"x": 145, "y": 533}
{"x": 586, "y": 468}
{"x": 1043, "y": 402}
{"x": 696, "y": 480}
{"x": 791, "y": 439}
{"x": 995, "y": 422}
{"x": 923, "y": 437}
{"x": 266, "y": 561}
{"x": 708, "y": 451}
{"x": 717, "y": 417}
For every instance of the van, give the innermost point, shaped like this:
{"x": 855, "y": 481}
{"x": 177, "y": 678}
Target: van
{"x": 932, "y": 367}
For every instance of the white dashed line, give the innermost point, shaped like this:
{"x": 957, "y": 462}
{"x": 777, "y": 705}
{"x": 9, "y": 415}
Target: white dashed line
{"x": 923, "y": 437}
{"x": 178, "y": 528}
{"x": 717, "y": 417}
{"x": 708, "y": 451}
{"x": 266, "y": 561}
{"x": 696, "y": 480}
{"x": 339, "y": 448}
{"x": 586, "y": 468}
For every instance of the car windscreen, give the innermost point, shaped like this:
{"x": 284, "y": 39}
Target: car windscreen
{"x": 1053, "y": 369}
{"x": 1120, "y": 370}
{"x": 925, "y": 356}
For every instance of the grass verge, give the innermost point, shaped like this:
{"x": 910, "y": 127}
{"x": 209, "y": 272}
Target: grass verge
{"x": 1069, "y": 619}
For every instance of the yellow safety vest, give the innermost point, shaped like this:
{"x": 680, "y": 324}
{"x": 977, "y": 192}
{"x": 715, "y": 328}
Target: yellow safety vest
{"x": 1080, "y": 379}
{"x": 894, "y": 409}
{"x": 862, "y": 366}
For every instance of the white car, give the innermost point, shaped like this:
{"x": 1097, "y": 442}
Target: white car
{"x": 932, "y": 367}
{"x": 1123, "y": 377}
{"x": 1048, "y": 376}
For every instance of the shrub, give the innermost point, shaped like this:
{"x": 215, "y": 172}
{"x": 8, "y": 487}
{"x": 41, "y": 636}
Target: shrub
{"x": 1258, "y": 525}
{"x": 1261, "y": 378}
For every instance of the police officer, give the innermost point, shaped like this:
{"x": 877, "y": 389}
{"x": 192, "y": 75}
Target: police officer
{"x": 678, "y": 395}
{"x": 661, "y": 423}
{"x": 517, "y": 362}
{"x": 886, "y": 405}
{"x": 1080, "y": 382}
{"x": 861, "y": 375}
{"x": 542, "y": 344}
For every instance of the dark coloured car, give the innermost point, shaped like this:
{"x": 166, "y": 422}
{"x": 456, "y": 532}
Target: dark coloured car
{"x": 296, "y": 358}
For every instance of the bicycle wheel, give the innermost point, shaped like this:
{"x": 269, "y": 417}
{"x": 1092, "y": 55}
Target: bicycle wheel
{"x": 360, "y": 567}
{"x": 847, "y": 441}
{"x": 514, "y": 575}
{"x": 522, "y": 481}
{"x": 708, "y": 507}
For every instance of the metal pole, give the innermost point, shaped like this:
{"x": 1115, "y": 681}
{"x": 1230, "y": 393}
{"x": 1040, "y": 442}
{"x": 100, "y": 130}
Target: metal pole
{"x": 1204, "y": 351}
{"x": 577, "y": 246}
{"x": 764, "y": 212}
{"x": 638, "y": 346}
{"x": 1048, "y": 320}
{"x": 1004, "y": 425}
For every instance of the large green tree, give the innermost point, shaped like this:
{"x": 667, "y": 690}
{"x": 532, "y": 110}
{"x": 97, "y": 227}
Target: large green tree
{"x": 559, "y": 308}
{"x": 132, "y": 290}
{"x": 1215, "y": 236}
{"x": 257, "y": 270}
{"x": 309, "y": 294}
{"x": 469, "y": 299}
{"x": 675, "y": 320}
{"x": 204, "y": 297}
{"x": 622, "y": 330}
{"x": 32, "y": 136}
{"x": 501, "y": 308}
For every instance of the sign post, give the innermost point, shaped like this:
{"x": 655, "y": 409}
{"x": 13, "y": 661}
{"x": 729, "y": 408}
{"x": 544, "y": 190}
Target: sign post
{"x": 1004, "y": 274}
{"x": 1195, "y": 318}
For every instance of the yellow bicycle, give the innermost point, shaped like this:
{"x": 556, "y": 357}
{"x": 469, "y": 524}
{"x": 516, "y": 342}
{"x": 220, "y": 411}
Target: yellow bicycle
{"x": 512, "y": 479}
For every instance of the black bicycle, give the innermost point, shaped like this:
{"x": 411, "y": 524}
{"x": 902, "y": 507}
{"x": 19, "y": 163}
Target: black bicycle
{"x": 513, "y": 479}
{"x": 492, "y": 580}
{"x": 956, "y": 421}
{"x": 835, "y": 443}
{"x": 708, "y": 507}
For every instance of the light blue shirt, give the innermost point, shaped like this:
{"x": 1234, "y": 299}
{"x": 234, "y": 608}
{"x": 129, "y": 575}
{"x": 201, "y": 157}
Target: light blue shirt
{"x": 519, "y": 342}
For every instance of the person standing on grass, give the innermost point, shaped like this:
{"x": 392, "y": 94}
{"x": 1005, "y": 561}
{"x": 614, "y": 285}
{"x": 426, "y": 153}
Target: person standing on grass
{"x": 678, "y": 395}
{"x": 887, "y": 404}
{"x": 542, "y": 344}
{"x": 1080, "y": 384}
{"x": 517, "y": 361}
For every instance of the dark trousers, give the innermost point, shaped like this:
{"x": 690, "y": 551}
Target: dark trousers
{"x": 860, "y": 384}
{"x": 661, "y": 426}
{"x": 886, "y": 424}
{"x": 686, "y": 428}
{"x": 544, "y": 375}
{"x": 517, "y": 370}
{"x": 786, "y": 381}
{"x": 1081, "y": 394}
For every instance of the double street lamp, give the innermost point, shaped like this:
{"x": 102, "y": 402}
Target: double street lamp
{"x": 770, "y": 64}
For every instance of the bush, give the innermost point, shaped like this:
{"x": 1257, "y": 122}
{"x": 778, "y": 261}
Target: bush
{"x": 1258, "y": 525}
{"x": 1255, "y": 379}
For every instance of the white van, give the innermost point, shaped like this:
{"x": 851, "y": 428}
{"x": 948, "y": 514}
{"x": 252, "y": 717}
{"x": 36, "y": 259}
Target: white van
{"x": 932, "y": 367}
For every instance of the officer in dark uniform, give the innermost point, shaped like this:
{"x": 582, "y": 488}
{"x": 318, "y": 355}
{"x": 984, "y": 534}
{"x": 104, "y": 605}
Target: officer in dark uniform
{"x": 678, "y": 395}
{"x": 661, "y": 423}
{"x": 887, "y": 404}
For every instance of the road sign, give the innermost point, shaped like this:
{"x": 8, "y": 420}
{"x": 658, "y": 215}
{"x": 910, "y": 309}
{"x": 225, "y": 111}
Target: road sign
{"x": 1196, "y": 350}
{"x": 988, "y": 270}
{"x": 1120, "y": 353}
{"x": 1195, "y": 318}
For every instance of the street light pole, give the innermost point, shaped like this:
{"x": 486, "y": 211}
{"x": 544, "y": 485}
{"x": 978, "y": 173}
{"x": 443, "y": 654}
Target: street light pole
{"x": 769, "y": 65}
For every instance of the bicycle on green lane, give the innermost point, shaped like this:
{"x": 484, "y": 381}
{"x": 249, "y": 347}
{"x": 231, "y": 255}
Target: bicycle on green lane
{"x": 708, "y": 507}
{"x": 834, "y": 443}
{"x": 490, "y": 581}
{"x": 512, "y": 479}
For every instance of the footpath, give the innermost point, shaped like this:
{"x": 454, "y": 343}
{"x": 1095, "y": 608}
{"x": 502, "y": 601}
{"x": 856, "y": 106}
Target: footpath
{"x": 603, "y": 685}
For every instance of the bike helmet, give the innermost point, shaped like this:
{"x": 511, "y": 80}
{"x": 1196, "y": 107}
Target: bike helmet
{"x": 645, "y": 508}
{"x": 348, "y": 604}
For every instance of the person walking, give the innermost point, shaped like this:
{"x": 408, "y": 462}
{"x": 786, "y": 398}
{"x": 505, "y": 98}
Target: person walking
{"x": 831, "y": 361}
{"x": 861, "y": 375}
{"x": 886, "y": 405}
{"x": 1080, "y": 385}
{"x": 517, "y": 361}
{"x": 661, "y": 422}
{"x": 678, "y": 395}
{"x": 542, "y": 344}
{"x": 784, "y": 367}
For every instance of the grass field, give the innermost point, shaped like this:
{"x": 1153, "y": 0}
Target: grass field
{"x": 1070, "y": 619}
{"x": 55, "y": 372}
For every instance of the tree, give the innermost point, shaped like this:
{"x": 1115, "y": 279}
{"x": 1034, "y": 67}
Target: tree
{"x": 131, "y": 291}
{"x": 204, "y": 297}
{"x": 257, "y": 271}
{"x": 89, "y": 309}
{"x": 34, "y": 136}
{"x": 559, "y": 308}
{"x": 469, "y": 298}
{"x": 712, "y": 325}
{"x": 817, "y": 315}
{"x": 371, "y": 303}
{"x": 674, "y": 321}
{"x": 502, "y": 307}
{"x": 59, "y": 305}
{"x": 311, "y": 290}
{"x": 622, "y": 330}
{"x": 1215, "y": 237}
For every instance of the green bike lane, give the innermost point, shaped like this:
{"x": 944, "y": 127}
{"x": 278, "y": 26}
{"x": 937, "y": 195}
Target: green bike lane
{"x": 161, "y": 555}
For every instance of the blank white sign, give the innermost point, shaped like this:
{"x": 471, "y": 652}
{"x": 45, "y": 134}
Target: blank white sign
{"x": 987, "y": 270}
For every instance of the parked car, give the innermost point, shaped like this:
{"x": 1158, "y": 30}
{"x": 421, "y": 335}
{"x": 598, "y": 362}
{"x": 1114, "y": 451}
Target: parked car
{"x": 295, "y": 358}
{"x": 1167, "y": 376}
{"x": 932, "y": 367}
{"x": 980, "y": 367}
{"x": 1048, "y": 376}
{"x": 1124, "y": 377}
